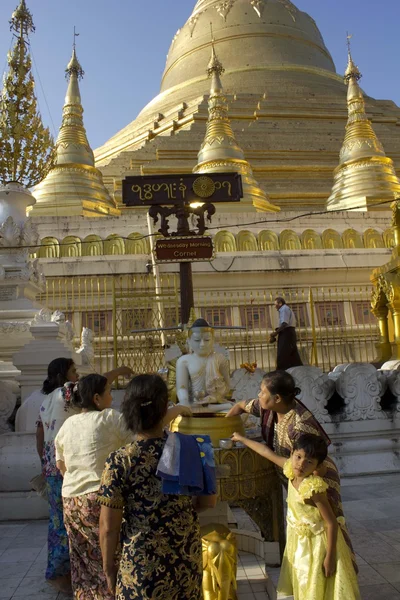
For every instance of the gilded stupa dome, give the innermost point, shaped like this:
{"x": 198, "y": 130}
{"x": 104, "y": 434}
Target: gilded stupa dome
{"x": 253, "y": 38}
{"x": 267, "y": 47}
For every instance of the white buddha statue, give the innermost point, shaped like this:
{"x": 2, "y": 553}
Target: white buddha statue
{"x": 202, "y": 377}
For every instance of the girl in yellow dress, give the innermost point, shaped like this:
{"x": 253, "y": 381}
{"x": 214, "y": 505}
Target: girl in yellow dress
{"x": 317, "y": 562}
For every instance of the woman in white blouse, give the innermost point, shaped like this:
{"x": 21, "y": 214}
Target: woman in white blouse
{"x": 82, "y": 445}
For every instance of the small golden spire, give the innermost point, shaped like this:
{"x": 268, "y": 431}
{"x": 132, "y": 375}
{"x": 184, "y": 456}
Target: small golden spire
{"x": 74, "y": 185}
{"x": 365, "y": 175}
{"x": 220, "y": 151}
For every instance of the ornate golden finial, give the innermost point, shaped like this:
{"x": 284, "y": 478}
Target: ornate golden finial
{"x": 352, "y": 71}
{"x": 74, "y": 67}
{"x": 26, "y": 146}
{"x": 214, "y": 66}
{"x": 21, "y": 20}
{"x": 220, "y": 151}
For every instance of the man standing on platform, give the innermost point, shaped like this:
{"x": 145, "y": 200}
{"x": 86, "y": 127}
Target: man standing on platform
{"x": 287, "y": 354}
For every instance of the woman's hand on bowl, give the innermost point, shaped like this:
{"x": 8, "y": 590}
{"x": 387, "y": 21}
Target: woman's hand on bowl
{"x": 236, "y": 437}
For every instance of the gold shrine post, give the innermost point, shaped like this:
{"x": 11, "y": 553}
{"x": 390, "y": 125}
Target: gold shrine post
{"x": 182, "y": 196}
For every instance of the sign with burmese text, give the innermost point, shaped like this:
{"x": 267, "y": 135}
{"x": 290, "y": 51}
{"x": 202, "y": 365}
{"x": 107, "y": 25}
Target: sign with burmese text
{"x": 184, "y": 249}
{"x": 181, "y": 189}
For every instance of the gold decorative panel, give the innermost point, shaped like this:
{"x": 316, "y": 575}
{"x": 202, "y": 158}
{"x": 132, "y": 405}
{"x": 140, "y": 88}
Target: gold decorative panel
{"x": 50, "y": 248}
{"x": 92, "y": 246}
{"x": 352, "y": 239}
{"x": 268, "y": 240}
{"x": 388, "y": 237}
{"x": 331, "y": 239}
{"x": 311, "y": 240}
{"x": 289, "y": 240}
{"x": 114, "y": 245}
{"x": 224, "y": 241}
{"x": 71, "y": 247}
{"x": 246, "y": 241}
{"x": 137, "y": 244}
{"x": 373, "y": 239}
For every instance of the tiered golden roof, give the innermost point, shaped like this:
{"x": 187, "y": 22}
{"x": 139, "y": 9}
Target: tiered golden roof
{"x": 220, "y": 152}
{"x": 365, "y": 176}
{"x": 73, "y": 186}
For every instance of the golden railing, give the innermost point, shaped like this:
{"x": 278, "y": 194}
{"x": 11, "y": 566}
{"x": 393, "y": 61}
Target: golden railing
{"x": 133, "y": 323}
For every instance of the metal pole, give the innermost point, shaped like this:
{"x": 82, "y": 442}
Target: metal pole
{"x": 157, "y": 279}
{"x": 186, "y": 285}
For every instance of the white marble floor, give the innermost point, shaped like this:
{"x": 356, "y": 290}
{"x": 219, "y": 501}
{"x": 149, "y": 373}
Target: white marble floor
{"x": 372, "y": 508}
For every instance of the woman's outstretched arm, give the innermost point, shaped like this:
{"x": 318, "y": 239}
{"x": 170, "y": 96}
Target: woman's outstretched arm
{"x": 238, "y": 409}
{"x": 124, "y": 371}
{"x": 261, "y": 449}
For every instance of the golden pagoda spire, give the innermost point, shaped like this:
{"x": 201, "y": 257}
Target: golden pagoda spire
{"x": 220, "y": 152}
{"x": 365, "y": 175}
{"x": 73, "y": 186}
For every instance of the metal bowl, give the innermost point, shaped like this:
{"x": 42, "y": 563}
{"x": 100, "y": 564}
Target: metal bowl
{"x": 226, "y": 443}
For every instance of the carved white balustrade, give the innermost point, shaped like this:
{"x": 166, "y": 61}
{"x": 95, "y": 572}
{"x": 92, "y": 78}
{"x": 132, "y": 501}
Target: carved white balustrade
{"x": 245, "y": 385}
{"x": 316, "y": 390}
{"x": 361, "y": 386}
{"x": 393, "y": 382}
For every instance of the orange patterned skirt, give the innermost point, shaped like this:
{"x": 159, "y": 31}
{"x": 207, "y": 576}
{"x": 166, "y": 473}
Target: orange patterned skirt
{"x": 81, "y": 518}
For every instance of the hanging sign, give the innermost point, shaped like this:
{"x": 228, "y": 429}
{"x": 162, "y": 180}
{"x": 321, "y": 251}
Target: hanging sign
{"x": 184, "y": 249}
{"x": 182, "y": 189}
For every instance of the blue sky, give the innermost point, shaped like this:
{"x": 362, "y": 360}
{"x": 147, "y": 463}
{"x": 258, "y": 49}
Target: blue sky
{"x": 123, "y": 45}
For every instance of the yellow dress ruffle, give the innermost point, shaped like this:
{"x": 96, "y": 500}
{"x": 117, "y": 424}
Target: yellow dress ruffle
{"x": 302, "y": 576}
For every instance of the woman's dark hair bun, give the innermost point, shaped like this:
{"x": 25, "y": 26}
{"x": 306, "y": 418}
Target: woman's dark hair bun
{"x": 145, "y": 402}
{"x": 57, "y": 372}
{"x": 84, "y": 391}
{"x": 281, "y": 383}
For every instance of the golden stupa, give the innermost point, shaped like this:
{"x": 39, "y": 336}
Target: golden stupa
{"x": 365, "y": 176}
{"x": 220, "y": 152}
{"x": 287, "y": 104}
{"x": 74, "y": 186}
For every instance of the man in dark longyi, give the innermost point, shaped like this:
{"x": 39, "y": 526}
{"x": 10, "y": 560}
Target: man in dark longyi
{"x": 287, "y": 353}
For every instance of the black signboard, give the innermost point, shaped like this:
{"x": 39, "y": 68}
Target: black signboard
{"x": 184, "y": 249}
{"x": 182, "y": 189}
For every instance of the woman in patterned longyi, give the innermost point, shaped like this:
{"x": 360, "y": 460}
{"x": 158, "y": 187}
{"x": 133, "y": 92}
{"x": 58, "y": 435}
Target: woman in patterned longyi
{"x": 283, "y": 419}
{"x": 161, "y": 544}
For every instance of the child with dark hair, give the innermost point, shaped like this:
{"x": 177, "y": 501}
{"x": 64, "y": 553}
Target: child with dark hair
{"x": 317, "y": 563}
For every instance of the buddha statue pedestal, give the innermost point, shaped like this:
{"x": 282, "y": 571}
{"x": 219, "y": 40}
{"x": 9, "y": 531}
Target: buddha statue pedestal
{"x": 244, "y": 479}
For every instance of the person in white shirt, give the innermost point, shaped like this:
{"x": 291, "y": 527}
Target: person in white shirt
{"x": 287, "y": 353}
{"x": 82, "y": 446}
